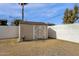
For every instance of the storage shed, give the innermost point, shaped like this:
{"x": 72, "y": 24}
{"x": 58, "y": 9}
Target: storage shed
{"x": 32, "y": 31}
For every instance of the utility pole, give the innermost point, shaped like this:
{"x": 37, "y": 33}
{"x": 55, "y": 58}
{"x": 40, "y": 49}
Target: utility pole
{"x": 23, "y": 12}
{"x": 22, "y": 4}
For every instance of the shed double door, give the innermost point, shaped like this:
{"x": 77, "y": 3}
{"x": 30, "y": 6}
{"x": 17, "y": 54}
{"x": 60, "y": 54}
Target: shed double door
{"x": 40, "y": 32}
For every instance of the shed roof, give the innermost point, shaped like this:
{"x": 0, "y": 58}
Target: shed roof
{"x": 33, "y": 23}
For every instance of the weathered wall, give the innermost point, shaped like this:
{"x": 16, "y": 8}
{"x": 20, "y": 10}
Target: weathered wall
{"x": 40, "y": 31}
{"x": 69, "y": 32}
{"x": 8, "y": 32}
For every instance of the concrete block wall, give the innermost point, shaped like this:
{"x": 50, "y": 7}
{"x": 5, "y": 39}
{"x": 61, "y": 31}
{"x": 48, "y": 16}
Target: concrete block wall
{"x": 68, "y": 32}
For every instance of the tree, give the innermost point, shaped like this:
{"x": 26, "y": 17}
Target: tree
{"x": 71, "y": 16}
{"x": 16, "y": 22}
{"x": 22, "y": 4}
{"x": 3, "y": 22}
{"x": 66, "y": 16}
{"x": 76, "y": 17}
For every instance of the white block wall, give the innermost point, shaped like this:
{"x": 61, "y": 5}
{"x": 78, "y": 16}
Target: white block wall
{"x": 9, "y": 32}
{"x": 69, "y": 32}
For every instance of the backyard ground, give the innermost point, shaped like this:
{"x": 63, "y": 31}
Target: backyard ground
{"x": 50, "y": 47}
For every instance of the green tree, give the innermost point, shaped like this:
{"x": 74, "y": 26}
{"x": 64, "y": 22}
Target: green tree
{"x": 71, "y": 16}
{"x": 3, "y": 22}
{"x": 16, "y": 22}
{"x": 66, "y": 16}
{"x": 75, "y": 11}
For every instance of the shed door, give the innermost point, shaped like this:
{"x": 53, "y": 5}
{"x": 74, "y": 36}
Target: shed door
{"x": 40, "y": 32}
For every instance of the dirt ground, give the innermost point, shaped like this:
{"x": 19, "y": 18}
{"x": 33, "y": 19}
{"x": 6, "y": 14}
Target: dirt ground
{"x": 50, "y": 47}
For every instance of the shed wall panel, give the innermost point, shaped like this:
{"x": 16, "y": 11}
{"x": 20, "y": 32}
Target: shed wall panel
{"x": 41, "y": 32}
{"x": 26, "y": 31}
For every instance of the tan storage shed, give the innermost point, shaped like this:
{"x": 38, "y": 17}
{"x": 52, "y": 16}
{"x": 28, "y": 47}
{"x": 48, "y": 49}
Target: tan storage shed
{"x": 33, "y": 31}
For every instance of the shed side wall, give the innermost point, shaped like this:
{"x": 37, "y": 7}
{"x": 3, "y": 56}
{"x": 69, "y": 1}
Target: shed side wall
{"x": 26, "y": 31}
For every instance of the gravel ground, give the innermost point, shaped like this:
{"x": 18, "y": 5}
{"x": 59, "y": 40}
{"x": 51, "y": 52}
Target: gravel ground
{"x": 50, "y": 47}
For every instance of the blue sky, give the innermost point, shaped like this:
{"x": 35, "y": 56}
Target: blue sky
{"x": 38, "y": 12}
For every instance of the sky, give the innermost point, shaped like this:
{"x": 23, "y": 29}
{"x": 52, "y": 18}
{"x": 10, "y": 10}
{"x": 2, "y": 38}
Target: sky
{"x": 37, "y": 12}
